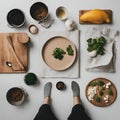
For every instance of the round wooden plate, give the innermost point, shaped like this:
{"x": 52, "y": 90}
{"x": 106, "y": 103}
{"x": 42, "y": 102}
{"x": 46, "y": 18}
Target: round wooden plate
{"x": 47, "y": 53}
{"x": 102, "y": 102}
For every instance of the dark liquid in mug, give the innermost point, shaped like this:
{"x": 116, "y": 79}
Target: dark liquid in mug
{"x": 15, "y": 17}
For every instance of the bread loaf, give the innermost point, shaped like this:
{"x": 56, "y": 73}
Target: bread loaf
{"x": 96, "y": 16}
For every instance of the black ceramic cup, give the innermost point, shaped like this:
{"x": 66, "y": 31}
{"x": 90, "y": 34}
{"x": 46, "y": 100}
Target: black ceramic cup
{"x": 15, "y": 18}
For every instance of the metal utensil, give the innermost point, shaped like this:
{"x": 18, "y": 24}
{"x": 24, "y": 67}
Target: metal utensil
{"x": 14, "y": 53}
{"x": 46, "y": 24}
{"x": 9, "y": 64}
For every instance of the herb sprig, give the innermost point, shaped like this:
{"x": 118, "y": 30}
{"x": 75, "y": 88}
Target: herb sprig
{"x": 59, "y": 53}
{"x": 97, "y": 44}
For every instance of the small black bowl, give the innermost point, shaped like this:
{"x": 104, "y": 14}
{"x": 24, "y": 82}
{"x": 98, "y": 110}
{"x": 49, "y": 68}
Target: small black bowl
{"x": 15, "y": 18}
{"x": 60, "y": 85}
{"x": 39, "y": 11}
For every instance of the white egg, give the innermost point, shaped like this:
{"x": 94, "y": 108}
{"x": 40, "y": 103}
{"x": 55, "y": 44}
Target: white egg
{"x": 70, "y": 24}
{"x": 93, "y": 53}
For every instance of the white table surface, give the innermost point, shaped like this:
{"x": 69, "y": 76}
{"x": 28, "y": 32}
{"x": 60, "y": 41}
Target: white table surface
{"x": 61, "y": 100}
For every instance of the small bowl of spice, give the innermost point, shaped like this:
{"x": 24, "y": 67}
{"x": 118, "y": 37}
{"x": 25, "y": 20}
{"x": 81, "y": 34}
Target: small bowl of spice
{"x": 60, "y": 85}
{"x": 33, "y": 29}
{"x": 61, "y": 13}
{"x": 16, "y": 96}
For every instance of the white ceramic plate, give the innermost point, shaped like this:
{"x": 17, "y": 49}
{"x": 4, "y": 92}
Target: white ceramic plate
{"x": 47, "y": 53}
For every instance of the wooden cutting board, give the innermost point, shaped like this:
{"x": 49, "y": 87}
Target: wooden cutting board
{"x": 13, "y": 49}
{"x": 81, "y": 12}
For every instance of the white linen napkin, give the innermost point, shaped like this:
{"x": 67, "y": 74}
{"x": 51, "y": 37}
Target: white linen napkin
{"x": 105, "y": 63}
{"x": 73, "y": 71}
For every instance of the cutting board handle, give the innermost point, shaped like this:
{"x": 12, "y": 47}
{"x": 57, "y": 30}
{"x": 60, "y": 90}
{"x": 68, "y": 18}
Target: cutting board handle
{"x": 25, "y": 39}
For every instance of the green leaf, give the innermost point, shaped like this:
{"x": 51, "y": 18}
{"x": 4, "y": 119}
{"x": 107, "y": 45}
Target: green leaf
{"x": 70, "y": 50}
{"x": 97, "y": 99}
{"x": 96, "y": 44}
{"x": 100, "y": 83}
{"x": 101, "y": 93}
{"x": 90, "y": 49}
{"x": 58, "y": 53}
{"x": 89, "y": 40}
{"x": 109, "y": 91}
{"x": 93, "y": 83}
{"x": 101, "y": 40}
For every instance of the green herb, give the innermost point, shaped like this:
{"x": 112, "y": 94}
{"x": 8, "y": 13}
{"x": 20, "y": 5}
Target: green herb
{"x": 58, "y": 53}
{"x": 97, "y": 99}
{"x": 30, "y": 79}
{"x": 101, "y": 93}
{"x": 70, "y": 50}
{"x": 100, "y": 83}
{"x": 102, "y": 88}
{"x": 96, "y": 44}
{"x": 109, "y": 91}
{"x": 93, "y": 83}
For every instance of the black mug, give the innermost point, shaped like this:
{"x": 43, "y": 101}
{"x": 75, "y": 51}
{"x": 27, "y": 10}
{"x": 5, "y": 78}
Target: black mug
{"x": 15, "y": 18}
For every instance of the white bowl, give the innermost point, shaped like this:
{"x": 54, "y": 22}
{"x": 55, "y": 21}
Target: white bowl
{"x": 61, "y": 13}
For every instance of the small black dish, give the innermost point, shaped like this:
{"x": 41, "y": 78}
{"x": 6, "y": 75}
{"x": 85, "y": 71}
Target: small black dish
{"x": 15, "y": 18}
{"x": 60, "y": 85}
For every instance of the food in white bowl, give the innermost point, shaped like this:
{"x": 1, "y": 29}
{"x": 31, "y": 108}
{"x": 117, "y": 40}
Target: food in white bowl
{"x": 61, "y": 13}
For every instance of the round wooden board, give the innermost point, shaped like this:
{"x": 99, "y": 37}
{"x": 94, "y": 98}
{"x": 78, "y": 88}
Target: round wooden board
{"x": 58, "y": 42}
{"x": 102, "y": 103}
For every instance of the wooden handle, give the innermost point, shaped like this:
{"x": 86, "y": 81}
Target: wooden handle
{"x": 23, "y": 38}
{"x": 17, "y": 59}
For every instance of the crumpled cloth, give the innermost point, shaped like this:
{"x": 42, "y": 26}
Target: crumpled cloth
{"x": 106, "y": 62}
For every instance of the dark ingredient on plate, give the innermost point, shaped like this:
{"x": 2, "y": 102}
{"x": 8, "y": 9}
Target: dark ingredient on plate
{"x": 100, "y": 83}
{"x": 101, "y": 93}
{"x": 98, "y": 99}
{"x": 93, "y": 83}
{"x": 58, "y": 53}
{"x": 97, "y": 45}
{"x": 110, "y": 92}
{"x": 70, "y": 50}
